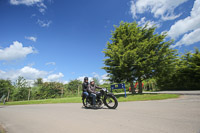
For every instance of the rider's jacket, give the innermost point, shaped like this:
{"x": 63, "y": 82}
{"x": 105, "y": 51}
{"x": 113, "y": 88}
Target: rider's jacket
{"x": 85, "y": 86}
{"x": 92, "y": 88}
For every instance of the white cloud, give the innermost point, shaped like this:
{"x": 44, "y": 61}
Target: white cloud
{"x": 81, "y": 78}
{"x": 189, "y": 38}
{"x": 143, "y": 21}
{"x": 133, "y": 9}
{"x": 42, "y": 7}
{"x": 31, "y": 74}
{"x": 27, "y": 72}
{"x": 34, "y": 39}
{"x": 39, "y": 3}
{"x": 159, "y": 8}
{"x": 188, "y": 27}
{"x": 25, "y": 2}
{"x": 65, "y": 82}
{"x": 42, "y": 10}
{"x": 54, "y": 77}
{"x": 188, "y": 24}
{"x": 104, "y": 78}
{"x": 44, "y": 23}
{"x": 50, "y": 63}
{"x": 15, "y": 51}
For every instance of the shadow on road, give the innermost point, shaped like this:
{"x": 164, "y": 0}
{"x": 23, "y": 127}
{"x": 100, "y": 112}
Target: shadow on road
{"x": 97, "y": 108}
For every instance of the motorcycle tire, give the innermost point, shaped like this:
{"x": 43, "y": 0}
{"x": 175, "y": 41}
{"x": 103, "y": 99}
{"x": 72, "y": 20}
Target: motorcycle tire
{"x": 85, "y": 104}
{"x": 111, "y": 102}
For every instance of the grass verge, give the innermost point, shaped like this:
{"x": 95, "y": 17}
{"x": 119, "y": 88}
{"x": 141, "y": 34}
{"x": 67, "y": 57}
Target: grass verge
{"x": 121, "y": 98}
{"x": 145, "y": 97}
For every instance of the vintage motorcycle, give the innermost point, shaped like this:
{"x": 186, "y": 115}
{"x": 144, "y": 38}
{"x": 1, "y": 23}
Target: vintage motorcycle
{"x": 102, "y": 97}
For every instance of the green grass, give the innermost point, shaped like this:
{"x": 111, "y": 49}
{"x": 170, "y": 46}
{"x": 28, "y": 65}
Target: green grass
{"x": 46, "y": 101}
{"x": 145, "y": 97}
{"x": 120, "y": 98}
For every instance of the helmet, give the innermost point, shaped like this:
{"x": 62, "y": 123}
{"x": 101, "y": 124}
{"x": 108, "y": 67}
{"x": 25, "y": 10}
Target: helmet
{"x": 86, "y": 78}
{"x": 91, "y": 81}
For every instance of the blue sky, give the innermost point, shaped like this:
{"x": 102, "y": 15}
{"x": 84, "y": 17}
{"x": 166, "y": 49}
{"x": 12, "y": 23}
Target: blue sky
{"x": 63, "y": 40}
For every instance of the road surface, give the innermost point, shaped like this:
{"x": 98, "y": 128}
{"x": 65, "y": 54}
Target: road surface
{"x": 180, "y": 115}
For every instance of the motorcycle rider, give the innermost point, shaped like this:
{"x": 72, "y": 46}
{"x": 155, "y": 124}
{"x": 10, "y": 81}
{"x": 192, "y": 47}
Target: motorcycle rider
{"x": 85, "y": 87}
{"x": 92, "y": 90}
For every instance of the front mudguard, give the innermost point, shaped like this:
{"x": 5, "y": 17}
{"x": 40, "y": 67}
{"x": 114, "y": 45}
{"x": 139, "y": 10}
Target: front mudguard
{"x": 111, "y": 94}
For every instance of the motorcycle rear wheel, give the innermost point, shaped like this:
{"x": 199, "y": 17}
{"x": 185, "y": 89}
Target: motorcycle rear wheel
{"x": 85, "y": 103}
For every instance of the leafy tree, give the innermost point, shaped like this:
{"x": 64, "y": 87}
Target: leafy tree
{"x": 50, "y": 90}
{"x": 73, "y": 85}
{"x": 21, "y": 89}
{"x": 38, "y": 82}
{"x": 137, "y": 53}
{"x": 188, "y": 71}
{"x": 165, "y": 79}
{"x": 184, "y": 75}
{"x": 105, "y": 85}
{"x": 5, "y": 88}
{"x": 35, "y": 92}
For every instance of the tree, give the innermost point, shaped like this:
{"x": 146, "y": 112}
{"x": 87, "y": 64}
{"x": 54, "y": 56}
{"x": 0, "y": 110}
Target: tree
{"x": 137, "y": 53}
{"x": 21, "y": 89}
{"x": 38, "y": 82}
{"x": 73, "y": 86}
{"x": 188, "y": 71}
{"x": 185, "y": 74}
{"x": 5, "y": 88}
{"x": 50, "y": 90}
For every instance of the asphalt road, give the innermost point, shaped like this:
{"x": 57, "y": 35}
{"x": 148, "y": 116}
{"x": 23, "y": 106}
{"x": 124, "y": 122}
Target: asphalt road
{"x": 164, "y": 116}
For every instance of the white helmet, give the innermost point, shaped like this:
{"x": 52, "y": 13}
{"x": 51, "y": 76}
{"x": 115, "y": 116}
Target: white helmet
{"x": 91, "y": 80}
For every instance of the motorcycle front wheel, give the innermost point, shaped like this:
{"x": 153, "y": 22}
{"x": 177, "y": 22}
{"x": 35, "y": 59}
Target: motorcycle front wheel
{"x": 111, "y": 102}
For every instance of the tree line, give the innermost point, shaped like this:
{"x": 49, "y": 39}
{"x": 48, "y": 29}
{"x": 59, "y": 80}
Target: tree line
{"x": 21, "y": 89}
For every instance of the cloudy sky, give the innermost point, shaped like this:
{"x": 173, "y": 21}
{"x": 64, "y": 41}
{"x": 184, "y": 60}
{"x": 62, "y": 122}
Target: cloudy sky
{"x": 63, "y": 40}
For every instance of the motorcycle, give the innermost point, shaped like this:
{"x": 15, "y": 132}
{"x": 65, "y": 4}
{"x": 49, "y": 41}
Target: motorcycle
{"x": 102, "y": 97}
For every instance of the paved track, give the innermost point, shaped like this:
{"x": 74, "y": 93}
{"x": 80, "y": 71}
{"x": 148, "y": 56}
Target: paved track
{"x": 164, "y": 116}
